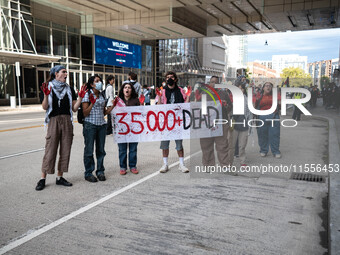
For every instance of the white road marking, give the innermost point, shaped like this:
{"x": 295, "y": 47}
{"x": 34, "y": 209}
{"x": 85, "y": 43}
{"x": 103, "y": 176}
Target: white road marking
{"x": 62, "y": 220}
{"x": 21, "y": 153}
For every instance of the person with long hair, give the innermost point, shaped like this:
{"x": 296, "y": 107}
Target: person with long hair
{"x": 109, "y": 94}
{"x": 59, "y": 101}
{"x": 269, "y": 133}
{"x": 130, "y": 98}
{"x": 94, "y": 128}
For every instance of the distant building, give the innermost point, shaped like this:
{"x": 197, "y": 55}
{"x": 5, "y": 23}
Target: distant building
{"x": 237, "y": 54}
{"x": 257, "y": 70}
{"x": 280, "y": 62}
{"x": 266, "y": 63}
{"x": 321, "y": 68}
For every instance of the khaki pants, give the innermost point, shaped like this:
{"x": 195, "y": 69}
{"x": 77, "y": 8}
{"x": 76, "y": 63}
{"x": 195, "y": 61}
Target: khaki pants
{"x": 60, "y": 131}
{"x": 225, "y": 152}
{"x": 242, "y": 137}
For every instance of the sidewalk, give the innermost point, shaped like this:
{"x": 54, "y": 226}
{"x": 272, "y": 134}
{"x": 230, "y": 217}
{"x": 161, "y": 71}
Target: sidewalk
{"x": 24, "y": 108}
{"x": 333, "y": 118}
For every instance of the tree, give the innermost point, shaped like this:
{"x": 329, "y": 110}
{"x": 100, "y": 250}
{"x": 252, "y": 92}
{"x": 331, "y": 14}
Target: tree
{"x": 297, "y": 77}
{"x": 324, "y": 81}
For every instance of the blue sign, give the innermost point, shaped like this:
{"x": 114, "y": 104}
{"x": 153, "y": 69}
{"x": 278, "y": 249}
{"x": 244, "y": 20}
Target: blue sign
{"x": 117, "y": 53}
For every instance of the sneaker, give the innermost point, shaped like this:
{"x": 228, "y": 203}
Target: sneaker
{"x": 134, "y": 171}
{"x": 40, "y": 184}
{"x": 123, "y": 172}
{"x": 91, "y": 178}
{"x": 101, "y": 177}
{"x": 263, "y": 154}
{"x": 164, "y": 169}
{"x": 183, "y": 168}
{"x": 62, "y": 181}
{"x": 277, "y": 155}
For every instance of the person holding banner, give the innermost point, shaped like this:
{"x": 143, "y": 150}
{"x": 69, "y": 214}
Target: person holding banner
{"x": 130, "y": 98}
{"x": 94, "y": 128}
{"x": 224, "y": 143}
{"x": 172, "y": 94}
{"x": 59, "y": 101}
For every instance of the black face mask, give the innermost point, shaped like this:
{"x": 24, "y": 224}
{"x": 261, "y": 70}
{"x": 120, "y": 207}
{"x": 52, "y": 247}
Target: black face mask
{"x": 170, "y": 82}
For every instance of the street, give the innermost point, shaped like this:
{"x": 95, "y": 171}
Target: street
{"x": 153, "y": 213}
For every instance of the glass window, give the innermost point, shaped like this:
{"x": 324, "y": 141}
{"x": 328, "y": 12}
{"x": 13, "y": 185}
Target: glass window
{"x": 24, "y": 8}
{"x": 27, "y": 2}
{"x": 73, "y": 45}
{"x": 86, "y": 47}
{"x": 73, "y": 30}
{"x": 59, "y": 41}
{"x": 42, "y": 22}
{"x": 16, "y": 33}
{"x": 6, "y": 37}
{"x": 26, "y": 42}
{"x": 30, "y": 83}
{"x": 42, "y": 40}
{"x": 58, "y": 26}
{"x": 4, "y": 3}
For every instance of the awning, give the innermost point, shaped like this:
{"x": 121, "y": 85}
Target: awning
{"x": 10, "y": 57}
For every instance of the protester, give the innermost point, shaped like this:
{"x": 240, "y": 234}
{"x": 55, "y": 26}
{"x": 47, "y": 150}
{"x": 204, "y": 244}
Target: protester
{"x": 314, "y": 96}
{"x": 59, "y": 102}
{"x": 94, "y": 128}
{"x": 241, "y": 127}
{"x": 146, "y": 92}
{"x": 130, "y": 97}
{"x": 172, "y": 94}
{"x": 223, "y": 143}
{"x": 269, "y": 133}
{"x": 132, "y": 79}
{"x": 297, "y": 112}
{"x": 109, "y": 97}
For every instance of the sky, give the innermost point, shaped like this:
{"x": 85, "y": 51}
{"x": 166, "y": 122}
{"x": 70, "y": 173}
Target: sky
{"x": 316, "y": 44}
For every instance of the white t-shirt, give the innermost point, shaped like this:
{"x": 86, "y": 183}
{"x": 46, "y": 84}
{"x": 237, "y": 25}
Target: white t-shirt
{"x": 109, "y": 95}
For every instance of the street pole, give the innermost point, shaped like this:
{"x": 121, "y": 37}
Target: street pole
{"x": 17, "y": 71}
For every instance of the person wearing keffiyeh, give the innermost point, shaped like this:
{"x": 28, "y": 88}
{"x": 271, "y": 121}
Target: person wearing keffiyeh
{"x": 59, "y": 101}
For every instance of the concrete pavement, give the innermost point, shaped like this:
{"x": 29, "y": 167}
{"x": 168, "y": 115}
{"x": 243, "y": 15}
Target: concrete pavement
{"x": 171, "y": 213}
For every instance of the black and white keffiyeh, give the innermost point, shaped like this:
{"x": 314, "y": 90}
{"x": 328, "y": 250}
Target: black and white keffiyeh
{"x": 60, "y": 89}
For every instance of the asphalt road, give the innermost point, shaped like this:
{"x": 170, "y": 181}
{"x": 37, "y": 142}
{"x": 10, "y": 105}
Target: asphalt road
{"x": 152, "y": 213}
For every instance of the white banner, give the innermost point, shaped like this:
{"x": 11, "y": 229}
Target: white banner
{"x": 164, "y": 122}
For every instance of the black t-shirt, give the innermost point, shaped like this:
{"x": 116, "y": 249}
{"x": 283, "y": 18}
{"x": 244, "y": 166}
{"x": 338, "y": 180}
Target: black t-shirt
{"x": 64, "y": 104}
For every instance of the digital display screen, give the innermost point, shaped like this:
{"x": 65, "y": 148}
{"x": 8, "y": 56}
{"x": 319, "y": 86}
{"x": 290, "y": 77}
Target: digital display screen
{"x": 117, "y": 53}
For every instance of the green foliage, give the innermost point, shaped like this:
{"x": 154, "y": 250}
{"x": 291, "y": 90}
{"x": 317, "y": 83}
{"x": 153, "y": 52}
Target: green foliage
{"x": 324, "y": 81}
{"x": 297, "y": 77}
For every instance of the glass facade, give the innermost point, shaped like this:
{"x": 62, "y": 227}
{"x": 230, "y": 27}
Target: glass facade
{"x": 53, "y": 39}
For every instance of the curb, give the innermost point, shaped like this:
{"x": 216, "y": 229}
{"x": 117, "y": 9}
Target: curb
{"x": 333, "y": 188}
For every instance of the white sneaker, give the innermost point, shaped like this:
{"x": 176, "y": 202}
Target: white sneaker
{"x": 263, "y": 154}
{"x": 183, "y": 168}
{"x": 277, "y": 155}
{"x": 164, "y": 169}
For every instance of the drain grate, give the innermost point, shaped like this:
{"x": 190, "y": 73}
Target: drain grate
{"x": 308, "y": 177}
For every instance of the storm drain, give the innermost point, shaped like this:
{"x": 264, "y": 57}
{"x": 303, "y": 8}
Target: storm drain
{"x": 308, "y": 177}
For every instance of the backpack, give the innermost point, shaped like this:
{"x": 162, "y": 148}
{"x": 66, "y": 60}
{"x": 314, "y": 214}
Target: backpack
{"x": 80, "y": 113}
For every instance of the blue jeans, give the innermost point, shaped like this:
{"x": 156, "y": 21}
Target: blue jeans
{"x": 123, "y": 155}
{"x": 93, "y": 133}
{"x": 269, "y": 134}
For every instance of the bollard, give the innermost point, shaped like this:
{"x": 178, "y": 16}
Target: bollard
{"x": 13, "y": 102}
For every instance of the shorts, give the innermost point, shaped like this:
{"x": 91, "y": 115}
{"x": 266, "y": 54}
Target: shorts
{"x": 165, "y": 145}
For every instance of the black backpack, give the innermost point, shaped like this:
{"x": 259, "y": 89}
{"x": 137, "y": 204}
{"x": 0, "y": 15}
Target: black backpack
{"x": 80, "y": 113}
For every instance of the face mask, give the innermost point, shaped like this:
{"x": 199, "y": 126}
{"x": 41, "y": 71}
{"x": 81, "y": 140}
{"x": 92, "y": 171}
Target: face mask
{"x": 170, "y": 82}
{"x": 99, "y": 85}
